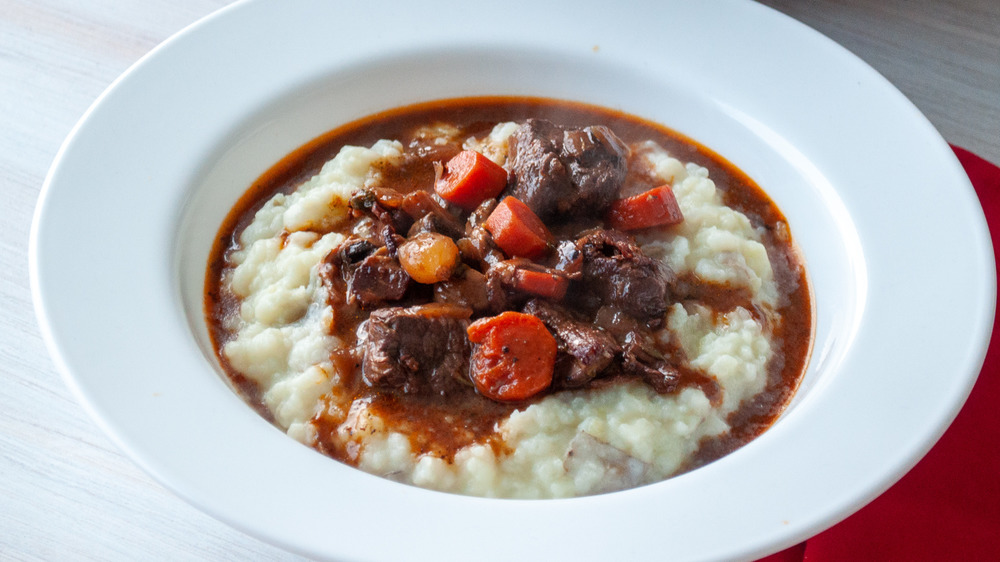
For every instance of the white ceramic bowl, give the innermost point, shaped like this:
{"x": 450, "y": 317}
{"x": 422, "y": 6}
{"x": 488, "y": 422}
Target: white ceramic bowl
{"x": 879, "y": 205}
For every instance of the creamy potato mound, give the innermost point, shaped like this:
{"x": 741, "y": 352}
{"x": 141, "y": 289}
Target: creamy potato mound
{"x": 570, "y": 443}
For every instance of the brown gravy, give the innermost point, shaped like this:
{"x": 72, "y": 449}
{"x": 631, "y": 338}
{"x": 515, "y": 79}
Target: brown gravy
{"x": 440, "y": 429}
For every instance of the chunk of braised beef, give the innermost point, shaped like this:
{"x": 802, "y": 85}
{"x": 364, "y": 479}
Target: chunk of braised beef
{"x": 500, "y": 287}
{"x": 363, "y": 273}
{"x": 466, "y": 288}
{"x": 585, "y": 351}
{"x": 560, "y": 171}
{"x": 337, "y": 264}
{"x": 363, "y": 200}
{"x": 616, "y": 271}
{"x": 431, "y": 214}
{"x": 536, "y": 175}
{"x": 417, "y": 350}
{"x": 615, "y": 322}
{"x": 390, "y": 239}
{"x": 353, "y": 250}
{"x": 506, "y": 288}
{"x": 597, "y": 160}
{"x": 385, "y": 204}
{"x": 569, "y": 259}
{"x": 479, "y": 215}
{"x": 377, "y": 279}
{"x": 432, "y": 222}
{"x": 478, "y": 249}
{"x": 641, "y": 357}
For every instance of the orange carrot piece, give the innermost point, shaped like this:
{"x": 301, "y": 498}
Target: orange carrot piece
{"x": 658, "y": 206}
{"x": 548, "y": 285}
{"x": 514, "y": 356}
{"x": 469, "y": 179}
{"x": 517, "y": 230}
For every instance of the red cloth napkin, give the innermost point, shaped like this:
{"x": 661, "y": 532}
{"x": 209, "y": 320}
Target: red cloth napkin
{"x": 948, "y": 506}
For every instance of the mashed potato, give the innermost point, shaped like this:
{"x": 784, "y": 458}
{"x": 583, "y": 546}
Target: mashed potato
{"x": 570, "y": 443}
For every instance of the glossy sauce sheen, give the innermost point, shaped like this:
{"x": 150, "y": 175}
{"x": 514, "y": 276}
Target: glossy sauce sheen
{"x": 441, "y": 427}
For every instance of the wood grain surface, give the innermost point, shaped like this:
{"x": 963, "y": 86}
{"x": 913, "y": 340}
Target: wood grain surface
{"x": 943, "y": 54}
{"x": 66, "y": 492}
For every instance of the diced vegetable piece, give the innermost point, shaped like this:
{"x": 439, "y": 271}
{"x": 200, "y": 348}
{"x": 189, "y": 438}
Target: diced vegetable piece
{"x": 517, "y": 230}
{"x": 429, "y": 257}
{"x": 541, "y": 283}
{"x": 658, "y": 206}
{"x": 514, "y": 356}
{"x": 469, "y": 179}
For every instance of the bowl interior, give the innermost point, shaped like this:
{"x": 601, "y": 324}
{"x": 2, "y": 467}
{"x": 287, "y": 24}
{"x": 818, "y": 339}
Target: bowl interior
{"x": 168, "y": 149}
{"x": 830, "y": 245}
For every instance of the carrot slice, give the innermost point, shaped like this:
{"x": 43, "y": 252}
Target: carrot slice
{"x": 470, "y": 178}
{"x": 548, "y": 285}
{"x": 514, "y": 356}
{"x": 517, "y": 230}
{"x": 658, "y": 206}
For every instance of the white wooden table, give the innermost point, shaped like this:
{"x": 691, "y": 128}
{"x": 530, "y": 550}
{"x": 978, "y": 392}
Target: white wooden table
{"x": 65, "y": 490}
